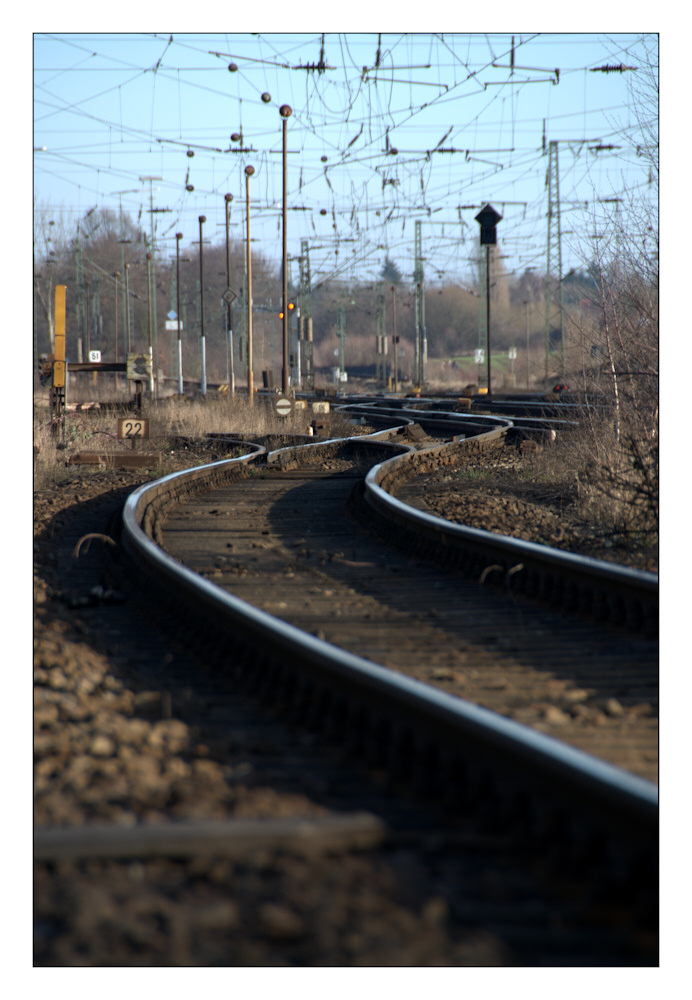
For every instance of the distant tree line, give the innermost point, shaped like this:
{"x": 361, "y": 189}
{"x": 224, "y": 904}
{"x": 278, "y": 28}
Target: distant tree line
{"x": 86, "y": 255}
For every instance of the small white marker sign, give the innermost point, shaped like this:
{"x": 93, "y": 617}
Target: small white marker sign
{"x": 139, "y": 367}
{"x": 283, "y": 406}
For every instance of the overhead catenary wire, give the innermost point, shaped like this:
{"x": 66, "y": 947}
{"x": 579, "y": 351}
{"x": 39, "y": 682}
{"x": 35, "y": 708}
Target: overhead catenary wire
{"x": 345, "y": 170}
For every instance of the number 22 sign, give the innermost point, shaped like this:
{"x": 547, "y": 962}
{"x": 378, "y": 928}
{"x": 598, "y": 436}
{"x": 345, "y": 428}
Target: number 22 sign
{"x": 133, "y": 427}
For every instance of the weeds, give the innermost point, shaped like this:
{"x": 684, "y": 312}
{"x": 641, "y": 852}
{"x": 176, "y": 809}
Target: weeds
{"x": 168, "y": 419}
{"x": 473, "y": 474}
{"x": 612, "y": 480}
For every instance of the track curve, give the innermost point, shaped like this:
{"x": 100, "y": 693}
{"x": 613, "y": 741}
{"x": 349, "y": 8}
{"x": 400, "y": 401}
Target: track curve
{"x": 308, "y": 667}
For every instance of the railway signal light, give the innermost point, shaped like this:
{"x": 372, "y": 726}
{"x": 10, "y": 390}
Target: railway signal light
{"x": 488, "y": 219}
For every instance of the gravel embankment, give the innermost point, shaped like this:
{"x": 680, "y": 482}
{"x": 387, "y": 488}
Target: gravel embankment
{"x": 500, "y": 494}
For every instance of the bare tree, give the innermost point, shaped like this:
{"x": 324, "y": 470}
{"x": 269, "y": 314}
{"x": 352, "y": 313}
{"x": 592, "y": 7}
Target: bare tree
{"x": 617, "y": 344}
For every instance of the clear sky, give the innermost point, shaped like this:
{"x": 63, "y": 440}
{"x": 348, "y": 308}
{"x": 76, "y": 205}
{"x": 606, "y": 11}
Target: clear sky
{"x": 395, "y": 128}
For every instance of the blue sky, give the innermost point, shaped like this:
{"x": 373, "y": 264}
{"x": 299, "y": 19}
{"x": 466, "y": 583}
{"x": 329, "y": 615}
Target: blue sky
{"x": 113, "y": 108}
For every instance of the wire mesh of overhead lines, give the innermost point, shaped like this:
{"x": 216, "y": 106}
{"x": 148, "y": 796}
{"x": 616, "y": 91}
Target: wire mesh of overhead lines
{"x": 386, "y": 129}
{"x": 395, "y": 142}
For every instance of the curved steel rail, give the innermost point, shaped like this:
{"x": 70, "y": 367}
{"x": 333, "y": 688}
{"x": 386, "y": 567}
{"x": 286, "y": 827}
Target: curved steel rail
{"x": 469, "y": 744}
{"x": 607, "y": 590}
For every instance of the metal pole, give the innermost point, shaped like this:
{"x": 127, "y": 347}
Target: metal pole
{"x": 122, "y": 264}
{"x": 151, "y": 349}
{"x": 203, "y": 385}
{"x": 178, "y": 238}
{"x": 116, "y": 276}
{"x": 116, "y": 377}
{"x": 395, "y": 339}
{"x": 87, "y": 325}
{"x": 127, "y": 309}
{"x": 419, "y": 334}
{"x": 152, "y": 280}
{"x": 527, "y": 345}
{"x": 229, "y": 328}
{"x": 487, "y": 311}
{"x": 149, "y": 301}
{"x": 59, "y": 386}
{"x": 249, "y": 171}
{"x": 423, "y": 333}
{"x": 79, "y": 305}
{"x": 285, "y": 112}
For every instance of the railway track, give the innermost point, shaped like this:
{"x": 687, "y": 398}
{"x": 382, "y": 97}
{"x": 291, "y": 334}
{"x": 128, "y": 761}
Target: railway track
{"x": 281, "y": 562}
{"x": 331, "y": 578}
{"x": 274, "y": 548}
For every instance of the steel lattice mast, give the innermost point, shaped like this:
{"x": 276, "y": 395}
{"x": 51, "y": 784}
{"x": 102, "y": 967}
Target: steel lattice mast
{"x": 381, "y": 339}
{"x": 554, "y": 306}
{"x": 421, "y": 344}
{"x": 305, "y": 319}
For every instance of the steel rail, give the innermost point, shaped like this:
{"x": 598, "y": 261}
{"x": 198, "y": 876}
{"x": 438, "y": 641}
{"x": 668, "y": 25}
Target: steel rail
{"x": 471, "y": 744}
{"x": 541, "y": 424}
{"x": 611, "y": 573}
{"x": 449, "y": 422}
{"x": 610, "y": 591}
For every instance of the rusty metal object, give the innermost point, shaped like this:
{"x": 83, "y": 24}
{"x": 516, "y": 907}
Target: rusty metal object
{"x": 116, "y": 460}
{"x": 88, "y": 538}
{"x": 236, "y": 838}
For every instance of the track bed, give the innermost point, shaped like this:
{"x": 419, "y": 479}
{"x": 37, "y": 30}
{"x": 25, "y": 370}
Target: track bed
{"x": 295, "y": 544}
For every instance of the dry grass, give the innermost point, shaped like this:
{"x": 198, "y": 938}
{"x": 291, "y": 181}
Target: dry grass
{"x": 593, "y": 469}
{"x": 221, "y": 415}
{"x": 96, "y": 430}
